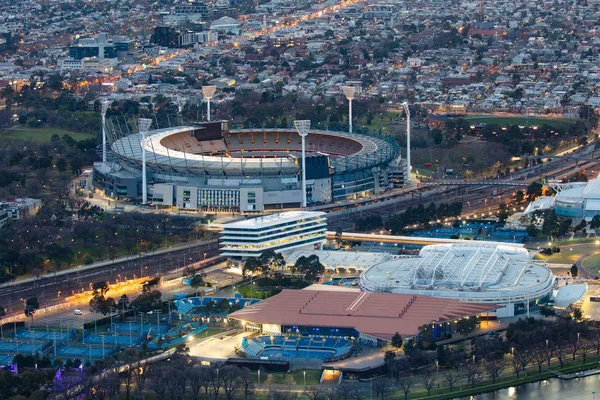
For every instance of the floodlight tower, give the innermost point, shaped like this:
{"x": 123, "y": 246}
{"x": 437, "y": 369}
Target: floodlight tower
{"x": 104, "y": 107}
{"x": 302, "y": 126}
{"x": 143, "y": 127}
{"x": 208, "y": 92}
{"x": 408, "y": 166}
{"x": 349, "y": 93}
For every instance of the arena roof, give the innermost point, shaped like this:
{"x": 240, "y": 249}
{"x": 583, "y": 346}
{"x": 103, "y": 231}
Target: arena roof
{"x": 332, "y": 259}
{"x": 474, "y": 271}
{"x": 376, "y": 314}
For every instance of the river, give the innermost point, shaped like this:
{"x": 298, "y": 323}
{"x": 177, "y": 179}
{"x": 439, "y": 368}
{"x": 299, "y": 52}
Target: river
{"x": 551, "y": 389}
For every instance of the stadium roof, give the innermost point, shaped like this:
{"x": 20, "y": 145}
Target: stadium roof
{"x": 475, "y": 270}
{"x": 377, "y": 314}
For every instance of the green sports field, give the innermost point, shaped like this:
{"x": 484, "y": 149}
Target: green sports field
{"x": 522, "y": 121}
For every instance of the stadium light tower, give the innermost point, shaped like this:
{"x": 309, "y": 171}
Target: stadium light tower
{"x": 208, "y": 92}
{"x": 349, "y": 93}
{"x": 302, "y": 126}
{"x": 143, "y": 127}
{"x": 408, "y": 166}
{"x": 104, "y": 107}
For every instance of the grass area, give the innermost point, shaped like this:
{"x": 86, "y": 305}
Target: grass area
{"x": 522, "y": 121}
{"x": 212, "y": 331}
{"x": 569, "y": 253}
{"x": 313, "y": 377}
{"x": 592, "y": 264}
{"x": 42, "y": 134}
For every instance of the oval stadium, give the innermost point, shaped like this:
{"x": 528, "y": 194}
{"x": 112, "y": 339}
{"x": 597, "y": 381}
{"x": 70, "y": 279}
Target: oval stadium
{"x": 211, "y": 167}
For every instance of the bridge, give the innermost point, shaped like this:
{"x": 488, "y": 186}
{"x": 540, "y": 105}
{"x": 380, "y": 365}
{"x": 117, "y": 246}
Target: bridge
{"x": 475, "y": 182}
{"x": 414, "y": 240}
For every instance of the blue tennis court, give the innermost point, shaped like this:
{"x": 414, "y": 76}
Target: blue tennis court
{"x": 6, "y": 360}
{"x": 20, "y": 347}
{"x": 135, "y": 340}
{"x": 298, "y": 354}
{"x": 140, "y": 329}
{"x": 85, "y": 352}
{"x": 45, "y": 335}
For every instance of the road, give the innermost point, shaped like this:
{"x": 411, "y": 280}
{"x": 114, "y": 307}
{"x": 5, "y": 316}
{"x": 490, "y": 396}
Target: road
{"x": 47, "y": 288}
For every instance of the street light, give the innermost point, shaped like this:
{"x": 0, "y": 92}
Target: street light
{"x": 143, "y": 127}
{"x": 302, "y": 126}
{"x": 208, "y": 92}
{"x": 104, "y": 107}
{"x": 349, "y": 93}
{"x": 408, "y": 166}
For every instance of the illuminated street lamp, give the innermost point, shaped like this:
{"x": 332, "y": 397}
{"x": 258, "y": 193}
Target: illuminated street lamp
{"x": 208, "y": 92}
{"x": 104, "y": 107}
{"x": 349, "y": 93}
{"x": 302, "y": 126}
{"x": 143, "y": 127}
{"x": 408, "y": 166}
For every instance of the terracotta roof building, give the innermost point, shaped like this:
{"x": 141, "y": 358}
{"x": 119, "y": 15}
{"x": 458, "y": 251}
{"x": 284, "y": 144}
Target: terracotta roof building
{"x": 370, "y": 316}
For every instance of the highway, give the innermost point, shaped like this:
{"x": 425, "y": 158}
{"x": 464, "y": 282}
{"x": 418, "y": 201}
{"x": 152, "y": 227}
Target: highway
{"x": 47, "y": 288}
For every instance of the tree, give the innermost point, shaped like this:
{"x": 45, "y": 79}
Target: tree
{"x": 534, "y": 190}
{"x": 539, "y": 357}
{"x": 126, "y": 371}
{"x": 31, "y": 306}
{"x": 584, "y": 351}
{"x": 246, "y": 380}
{"x": 230, "y": 380}
{"x": 577, "y": 314}
{"x": 472, "y": 372}
{"x": 595, "y": 222}
{"x": 405, "y": 384}
{"x": 194, "y": 377}
{"x": 182, "y": 349}
{"x": 428, "y": 380}
{"x": 574, "y": 270}
{"x": 197, "y": 281}
{"x": 99, "y": 302}
{"x": 252, "y": 265}
{"x": 397, "y": 340}
{"x": 310, "y": 266}
{"x": 451, "y": 377}
{"x": 269, "y": 259}
{"x": 494, "y": 368}
{"x": 381, "y": 387}
{"x": 314, "y": 393}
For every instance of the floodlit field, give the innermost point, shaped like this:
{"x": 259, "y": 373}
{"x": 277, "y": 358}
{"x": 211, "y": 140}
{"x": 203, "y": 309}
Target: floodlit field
{"x": 522, "y": 121}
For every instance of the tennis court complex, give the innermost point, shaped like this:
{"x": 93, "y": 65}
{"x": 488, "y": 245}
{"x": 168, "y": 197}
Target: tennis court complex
{"x": 45, "y": 335}
{"x": 19, "y": 347}
{"x": 85, "y": 352}
{"x": 127, "y": 341}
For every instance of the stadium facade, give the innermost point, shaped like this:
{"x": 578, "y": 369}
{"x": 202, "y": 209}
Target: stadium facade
{"x": 576, "y": 200}
{"x": 479, "y": 273}
{"x": 208, "y": 166}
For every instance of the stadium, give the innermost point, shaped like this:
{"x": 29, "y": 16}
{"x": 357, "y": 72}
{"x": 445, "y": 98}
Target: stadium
{"x": 503, "y": 275}
{"x": 579, "y": 200}
{"x": 207, "y": 166}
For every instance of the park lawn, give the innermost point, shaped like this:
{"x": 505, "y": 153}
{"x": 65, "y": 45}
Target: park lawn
{"x": 569, "y": 253}
{"x": 522, "y": 121}
{"x": 592, "y": 264}
{"x": 42, "y": 134}
{"x": 313, "y": 377}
